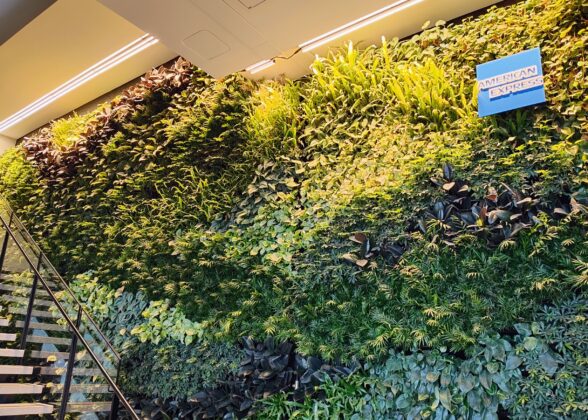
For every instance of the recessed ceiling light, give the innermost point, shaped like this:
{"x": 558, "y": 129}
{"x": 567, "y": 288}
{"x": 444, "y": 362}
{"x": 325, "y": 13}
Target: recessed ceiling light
{"x": 112, "y": 60}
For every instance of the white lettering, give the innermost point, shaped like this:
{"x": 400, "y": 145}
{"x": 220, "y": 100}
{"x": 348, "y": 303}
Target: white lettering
{"x": 518, "y": 86}
{"x": 513, "y": 76}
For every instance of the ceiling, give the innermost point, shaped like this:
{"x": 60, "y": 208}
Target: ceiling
{"x": 63, "y": 38}
{"x": 14, "y": 14}
{"x": 60, "y": 43}
{"x": 224, "y": 36}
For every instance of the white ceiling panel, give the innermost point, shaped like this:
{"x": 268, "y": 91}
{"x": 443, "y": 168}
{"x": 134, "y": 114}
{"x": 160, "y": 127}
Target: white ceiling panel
{"x": 224, "y": 36}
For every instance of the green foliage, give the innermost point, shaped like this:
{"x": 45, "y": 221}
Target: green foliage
{"x": 554, "y": 350}
{"x": 65, "y": 132}
{"x": 425, "y": 384}
{"x": 342, "y": 399}
{"x": 173, "y": 370}
{"x": 161, "y": 322}
{"x": 162, "y": 355}
{"x": 541, "y": 373}
{"x": 272, "y": 125}
{"x": 152, "y": 321}
{"x": 18, "y": 178}
{"x": 233, "y": 201}
{"x": 368, "y": 151}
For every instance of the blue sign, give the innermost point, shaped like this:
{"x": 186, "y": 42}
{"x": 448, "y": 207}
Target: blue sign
{"x": 509, "y": 83}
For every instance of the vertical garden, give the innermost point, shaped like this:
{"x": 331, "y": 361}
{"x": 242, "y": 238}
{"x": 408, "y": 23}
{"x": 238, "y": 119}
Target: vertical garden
{"x": 354, "y": 244}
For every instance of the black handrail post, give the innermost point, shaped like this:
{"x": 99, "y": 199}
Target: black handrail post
{"x": 114, "y": 408}
{"x": 27, "y": 323}
{"x": 115, "y": 404}
{"x": 5, "y": 245}
{"x": 70, "y": 366}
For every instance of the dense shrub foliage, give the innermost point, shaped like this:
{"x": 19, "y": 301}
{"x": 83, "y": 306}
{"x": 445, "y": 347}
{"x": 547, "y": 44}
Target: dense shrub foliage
{"x": 162, "y": 353}
{"x": 18, "y": 179}
{"x": 364, "y": 212}
{"x": 539, "y": 373}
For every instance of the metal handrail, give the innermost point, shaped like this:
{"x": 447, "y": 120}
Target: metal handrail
{"x": 72, "y": 324}
{"x": 64, "y": 284}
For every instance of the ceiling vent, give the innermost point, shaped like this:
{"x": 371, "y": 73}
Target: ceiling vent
{"x": 206, "y": 44}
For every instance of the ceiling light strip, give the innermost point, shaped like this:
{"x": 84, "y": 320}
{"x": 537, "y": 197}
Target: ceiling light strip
{"x": 98, "y": 68}
{"x": 75, "y": 82}
{"x": 103, "y": 65}
{"x": 91, "y": 72}
{"x": 357, "y": 24}
{"x": 262, "y": 65}
{"x": 71, "y": 86}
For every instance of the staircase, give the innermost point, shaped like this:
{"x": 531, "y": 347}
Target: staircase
{"x": 54, "y": 360}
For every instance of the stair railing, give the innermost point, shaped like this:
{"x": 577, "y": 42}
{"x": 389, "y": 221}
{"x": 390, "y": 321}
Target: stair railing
{"x": 74, "y": 325}
{"x": 43, "y": 260}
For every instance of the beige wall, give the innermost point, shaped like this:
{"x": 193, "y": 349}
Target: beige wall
{"x": 64, "y": 41}
{"x": 6, "y": 143}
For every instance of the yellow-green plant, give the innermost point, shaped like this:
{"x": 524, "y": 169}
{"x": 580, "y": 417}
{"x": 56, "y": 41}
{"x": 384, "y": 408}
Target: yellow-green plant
{"x": 65, "y": 132}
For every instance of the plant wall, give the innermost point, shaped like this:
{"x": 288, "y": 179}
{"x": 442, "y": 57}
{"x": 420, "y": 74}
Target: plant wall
{"x": 362, "y": 210}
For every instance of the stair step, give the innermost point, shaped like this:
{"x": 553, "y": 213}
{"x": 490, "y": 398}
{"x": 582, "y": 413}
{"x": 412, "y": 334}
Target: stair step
{"x": 58, "y": 371}
{"x": 59, "y": 355}
{"x": 25, "y": 409}
{"x": 42, "y": 326}
{"x": 15, "y": 370}
{"x": 20, "y": 389}
{"x": 25, "y": 281}
{"x": 4, "y": 322}
{"x": 37, "y": 313}
{"x": 11, "y": 353}
{"x": 82, "y": 388}
{"x": 7, "y": 337}
{"x": 48, "y": 340}
{"x": 14, "y": 276}
{"x": 25, "y": 300}
{"x": 88, "y": 407}
{"x": 12, "y": 288}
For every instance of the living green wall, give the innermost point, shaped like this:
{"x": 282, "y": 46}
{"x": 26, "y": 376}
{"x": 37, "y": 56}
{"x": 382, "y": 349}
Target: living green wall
{"x": 360, "y": 210}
